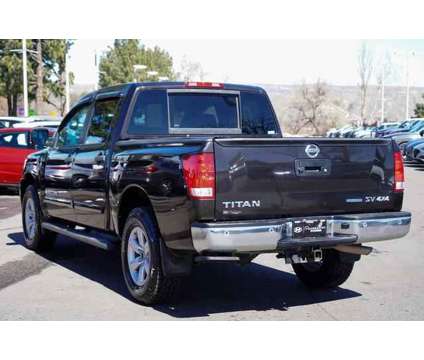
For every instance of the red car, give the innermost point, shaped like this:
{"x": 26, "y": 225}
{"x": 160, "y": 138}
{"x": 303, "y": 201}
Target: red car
{"x": 15, "y": 145}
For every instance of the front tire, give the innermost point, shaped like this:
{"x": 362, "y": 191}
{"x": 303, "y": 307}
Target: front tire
{"x": 331, "y": 272}
{"x": 36, "y": 238}
{"x": 141, "y": 261}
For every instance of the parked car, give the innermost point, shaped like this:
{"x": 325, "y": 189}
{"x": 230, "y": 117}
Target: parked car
{"x": 408, "y": 148}
{"x": 52, "y": 124}
{"x": 402, "y": 138}
{"x": 339, "y": 132}
{"x": 346, "y": 132}
{"x": 15, "y": 145}
{"x": 384, "y": 127}
{"x": 331, "y": 133}
{"x": 10, "y": 121}
{"x": 418, "y": 153}
{"x": 181, "y": 173}
{"x": 364, "y": 132}
{"x": 409, "y": 127}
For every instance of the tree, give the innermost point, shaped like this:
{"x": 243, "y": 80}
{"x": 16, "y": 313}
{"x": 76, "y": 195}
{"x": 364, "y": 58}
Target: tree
{"x": 54, "y": 63}
{"x": 307, "y": 104}
{"x": 419, "y": 109}
{"x": 39, "y": 75}
{"x": 190, "y": 71}
{"x": 117, "y": 66}
{"x": 11, "y": 73}
{"x": 365, "y": 70}
{"x": 45, "y": 70}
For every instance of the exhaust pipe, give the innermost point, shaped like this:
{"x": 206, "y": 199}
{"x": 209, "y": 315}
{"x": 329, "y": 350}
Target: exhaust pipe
{"x": 354, "y": 249}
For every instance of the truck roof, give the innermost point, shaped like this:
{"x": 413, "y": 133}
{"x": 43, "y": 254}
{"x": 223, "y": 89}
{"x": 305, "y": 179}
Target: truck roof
{"x": 123, "y": 89}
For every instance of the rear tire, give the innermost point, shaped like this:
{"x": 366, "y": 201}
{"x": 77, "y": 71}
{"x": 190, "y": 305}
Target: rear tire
{"x": 141, "y": 261}
{"x": 36, "y": 238}
{"x": 331, "y": 272}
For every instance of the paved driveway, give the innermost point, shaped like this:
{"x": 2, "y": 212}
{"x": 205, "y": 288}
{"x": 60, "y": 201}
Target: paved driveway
{"x": 76, "y": 281}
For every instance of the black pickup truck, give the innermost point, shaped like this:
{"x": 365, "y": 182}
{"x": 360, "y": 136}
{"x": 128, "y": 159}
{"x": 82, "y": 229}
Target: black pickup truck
{"x": 181, "y": 173}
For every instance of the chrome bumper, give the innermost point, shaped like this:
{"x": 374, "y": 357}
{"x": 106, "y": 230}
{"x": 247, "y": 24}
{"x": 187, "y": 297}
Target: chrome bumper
{"x": 276, "y": 235}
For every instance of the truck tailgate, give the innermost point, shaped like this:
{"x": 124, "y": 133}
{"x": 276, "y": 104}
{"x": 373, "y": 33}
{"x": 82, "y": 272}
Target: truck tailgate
{"x": 272, "y": 178}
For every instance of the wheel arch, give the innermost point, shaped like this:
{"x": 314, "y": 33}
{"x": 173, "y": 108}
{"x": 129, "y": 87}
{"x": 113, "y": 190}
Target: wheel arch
{"x": 133, "y": 196}
{"x": 27, "y": 180}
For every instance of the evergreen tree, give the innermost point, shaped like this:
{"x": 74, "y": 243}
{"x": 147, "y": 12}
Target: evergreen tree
{"x": 419, "y": 109}
{"x": 117, "y": 66}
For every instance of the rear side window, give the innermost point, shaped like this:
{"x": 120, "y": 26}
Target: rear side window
{"x": 257, "y": 115}
{"x": 15, "y": 140}
{"x": 150, "y": 114}
{"x": 105, "y": 114}
{"x": 203, "y": 110}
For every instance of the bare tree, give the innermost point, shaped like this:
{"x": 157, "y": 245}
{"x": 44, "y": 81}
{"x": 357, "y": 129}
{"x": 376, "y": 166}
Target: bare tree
{"x": 385, "y": 70}
{"x": 365, "y": 70}
{"x": 308, "y": 104}
{"x": 191, "y": 71}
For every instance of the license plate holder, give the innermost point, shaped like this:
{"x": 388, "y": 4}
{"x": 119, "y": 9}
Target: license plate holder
{"x": 309, "y": 228}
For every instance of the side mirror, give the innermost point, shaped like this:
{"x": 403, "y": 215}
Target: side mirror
{"x": 421, "y": 133}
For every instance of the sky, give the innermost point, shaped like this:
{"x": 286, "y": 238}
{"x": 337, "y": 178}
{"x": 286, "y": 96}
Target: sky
{"x": 271, "y": 61}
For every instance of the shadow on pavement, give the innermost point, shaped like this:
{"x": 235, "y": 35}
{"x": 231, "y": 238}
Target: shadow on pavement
{"x": 212, "y": 288}
{"x": 8, "y": 191}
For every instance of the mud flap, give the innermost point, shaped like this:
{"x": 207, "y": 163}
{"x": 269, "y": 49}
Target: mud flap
{"x": 175, "y": 264}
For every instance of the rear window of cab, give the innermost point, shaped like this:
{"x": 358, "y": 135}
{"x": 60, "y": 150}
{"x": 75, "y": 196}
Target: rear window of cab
{"x": 162, "y": 112}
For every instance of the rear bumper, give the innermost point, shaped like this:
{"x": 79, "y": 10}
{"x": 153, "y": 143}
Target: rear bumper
{"x": 276, "y": 235}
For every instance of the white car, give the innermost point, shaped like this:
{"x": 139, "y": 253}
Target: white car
{"x": 33, "y": 124}
{"x": 10, "y": 121}
{"x": 38, "y": 121}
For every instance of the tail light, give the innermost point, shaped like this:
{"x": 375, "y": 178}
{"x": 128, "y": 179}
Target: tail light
{"x": 203, "y": 84}
{"x": 399, "y": 180}
{"x": 199, "y": 175}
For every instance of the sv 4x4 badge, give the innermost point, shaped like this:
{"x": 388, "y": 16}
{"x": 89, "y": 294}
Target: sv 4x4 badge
{"x": 369, "y": 199}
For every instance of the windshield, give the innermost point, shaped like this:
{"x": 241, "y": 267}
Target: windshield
{"x": 417, "y": 126}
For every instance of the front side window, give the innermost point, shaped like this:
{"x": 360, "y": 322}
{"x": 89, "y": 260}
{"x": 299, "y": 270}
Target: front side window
{"x": 105, "y": 114}
{"x": 189, "y": 110}
{"x": 73, "y": 131}
{"x": 15, "y": 140}
{"x": 150, "y": 114}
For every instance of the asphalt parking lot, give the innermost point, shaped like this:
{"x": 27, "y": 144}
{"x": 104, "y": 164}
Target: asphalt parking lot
{"x": 79, "y": 282}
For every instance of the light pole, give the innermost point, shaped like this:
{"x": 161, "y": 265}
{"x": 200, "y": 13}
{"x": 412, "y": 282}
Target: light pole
{"x": 152, "y": 73}
{"x": 25, "y": 76}
{"x": 383, "y": 78}
{"x": 138, "y": 67}
{"x": 67, "y": 85}
{"x": 407, "y": 84}
{"x": 24, "y": 51}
